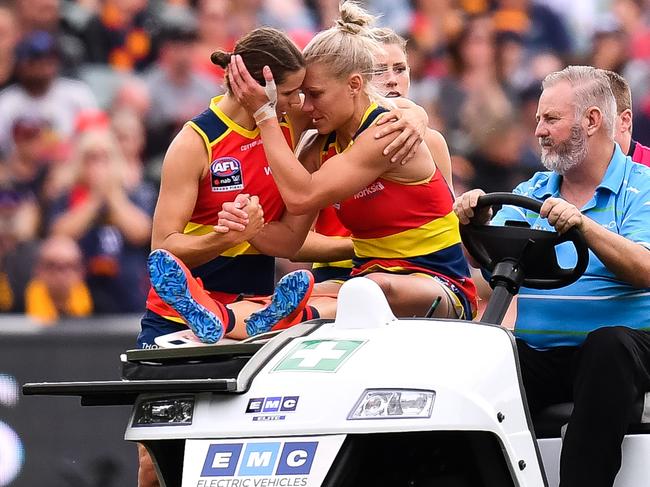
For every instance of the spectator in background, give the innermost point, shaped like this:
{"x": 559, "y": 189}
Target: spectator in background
{"x": 244, "y": 16}
{"x": 40, "y": 92}
{"x": 632, "y": 15}
{"x": 90, "y": 120}
{"x": 537, "y": 66}
{"x": 396, "y": 14}
{"x": 496, "y": 136}
{"x": 509, "y": 55}
{"x": 19, "y": 217}
{"x": 36, "y": 15}
{"x": 177, "y": 90}
{"x": 132, "y": 94}
{"x": 424, "y": 87}
{"x": 531, "y": 150}
{"x": 58, "y": 289}
{"x": 623, "y": 128}
{"x": 27, "y": 165}
{"x": 434, "y": 26}
{"x": 472, "y": 76}
{"x": 325, "y": 11}
{"x": 46, "y": 15}
{"x": 539, "y": 26}
{"x": 609, "y": 47}
{"x": 292, "y": 17}
{"x": 130, "y": 134}
{"x": 118, "y": 36}
{"x": 212, "y": 33}
{"x": 8, "y": 40}
{"x": 109, "y": 214}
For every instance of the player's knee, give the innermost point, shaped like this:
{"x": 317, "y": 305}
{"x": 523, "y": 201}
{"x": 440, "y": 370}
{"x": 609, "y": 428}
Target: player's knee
{"x": 384, "y": 283}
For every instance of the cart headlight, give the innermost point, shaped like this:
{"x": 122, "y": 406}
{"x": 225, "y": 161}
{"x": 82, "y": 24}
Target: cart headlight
{"x": 173, "y": 411}
{"x": 393, "y": 403}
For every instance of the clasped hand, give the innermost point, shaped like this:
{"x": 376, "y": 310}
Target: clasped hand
{"x": 245, "y": 215}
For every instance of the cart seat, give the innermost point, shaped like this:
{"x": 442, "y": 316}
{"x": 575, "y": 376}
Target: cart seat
{"x": 549, "y": 422}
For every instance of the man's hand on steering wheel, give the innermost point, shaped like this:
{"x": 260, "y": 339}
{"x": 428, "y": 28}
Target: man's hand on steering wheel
{"x": 562, "y": 215}
{"x": 532, "y": 249}
{"x": 465, "y": 205}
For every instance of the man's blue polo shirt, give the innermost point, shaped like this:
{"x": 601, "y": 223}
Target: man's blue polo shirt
{"x": 563, "y": 317}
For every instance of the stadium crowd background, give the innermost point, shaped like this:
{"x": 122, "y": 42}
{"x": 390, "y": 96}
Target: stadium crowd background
{"x": 93, "y": 92}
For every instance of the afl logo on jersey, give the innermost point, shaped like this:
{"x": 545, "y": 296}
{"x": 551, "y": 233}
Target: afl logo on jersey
{"x": 226, "y": 174}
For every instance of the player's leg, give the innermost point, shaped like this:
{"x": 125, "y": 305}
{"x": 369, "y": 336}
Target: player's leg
{"x": 413, "y": 295}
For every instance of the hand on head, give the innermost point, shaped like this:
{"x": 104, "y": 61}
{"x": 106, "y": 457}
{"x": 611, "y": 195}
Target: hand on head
{"x": 258, "y": 100}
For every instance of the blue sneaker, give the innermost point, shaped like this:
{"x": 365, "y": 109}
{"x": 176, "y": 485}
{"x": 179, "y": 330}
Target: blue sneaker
{"x": 176, "y": 286}
{"x": 287, "y": 304}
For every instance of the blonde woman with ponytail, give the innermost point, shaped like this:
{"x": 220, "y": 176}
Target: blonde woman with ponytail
{"x": 404, "y": 230}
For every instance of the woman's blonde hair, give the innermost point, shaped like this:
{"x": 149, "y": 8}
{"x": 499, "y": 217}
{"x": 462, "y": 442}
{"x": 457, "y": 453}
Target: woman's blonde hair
{"x": 387, "y": 36}
{"x": 348, "y": 47}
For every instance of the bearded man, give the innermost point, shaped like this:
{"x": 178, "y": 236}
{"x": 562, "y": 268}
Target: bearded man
{"x": 587, "y": 342}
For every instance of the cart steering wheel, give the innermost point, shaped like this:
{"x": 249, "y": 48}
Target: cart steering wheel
{"x": 533, "y": 250}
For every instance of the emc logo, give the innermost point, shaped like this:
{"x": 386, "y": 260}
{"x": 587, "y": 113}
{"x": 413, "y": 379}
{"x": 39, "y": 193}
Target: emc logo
{"x": 272, "y": 404}
{"x": 227, "y": 459}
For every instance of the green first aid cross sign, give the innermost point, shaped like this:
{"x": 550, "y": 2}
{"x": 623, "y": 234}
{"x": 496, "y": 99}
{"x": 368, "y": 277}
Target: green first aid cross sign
{"x": 319, "y": 355}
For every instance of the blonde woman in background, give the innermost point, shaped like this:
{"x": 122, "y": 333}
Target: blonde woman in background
{"x": 393, "y": 79}
{"x": 108, "y": 210}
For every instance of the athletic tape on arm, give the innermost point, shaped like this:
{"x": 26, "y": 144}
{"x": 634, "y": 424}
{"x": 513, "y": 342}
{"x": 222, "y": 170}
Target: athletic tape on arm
{"x": 267, "y": 110}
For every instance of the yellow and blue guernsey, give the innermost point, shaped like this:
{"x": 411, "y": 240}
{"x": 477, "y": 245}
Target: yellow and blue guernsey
{"x": 564, "y": 317}
{"x": 407, "y": 228}
{"x": 328, "y": 223}
{"x": 237, "y": 165}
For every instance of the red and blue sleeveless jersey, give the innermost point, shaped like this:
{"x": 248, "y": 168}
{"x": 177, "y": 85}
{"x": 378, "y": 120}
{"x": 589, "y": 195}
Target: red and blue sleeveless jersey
{"x": 406, "y": 228}
{"x": 237, "y": 165}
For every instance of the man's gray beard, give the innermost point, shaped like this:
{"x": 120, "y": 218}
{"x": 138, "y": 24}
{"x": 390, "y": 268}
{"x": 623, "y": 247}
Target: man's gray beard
{"x": 568, "y": 154}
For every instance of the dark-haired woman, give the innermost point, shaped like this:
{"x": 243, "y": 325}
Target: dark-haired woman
{"x": 216, "y": 194}
{"x": 216, "y": 165}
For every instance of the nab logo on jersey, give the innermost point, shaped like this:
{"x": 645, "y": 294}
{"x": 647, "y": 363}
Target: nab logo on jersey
{"x": 256, "y": 459}
{"x": 226, "y": 174}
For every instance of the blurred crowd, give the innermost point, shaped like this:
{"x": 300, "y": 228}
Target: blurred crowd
{"x": 93, "y": 91}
